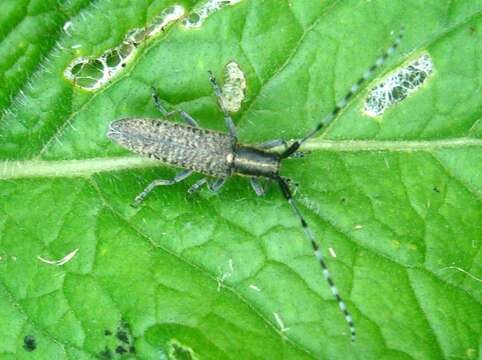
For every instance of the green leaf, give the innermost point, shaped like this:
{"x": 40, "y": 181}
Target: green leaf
{"x": 396, "y": 197}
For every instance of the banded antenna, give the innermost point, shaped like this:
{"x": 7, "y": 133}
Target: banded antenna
{"x": 344, "y": 102}
{"x": 289, "y": 196}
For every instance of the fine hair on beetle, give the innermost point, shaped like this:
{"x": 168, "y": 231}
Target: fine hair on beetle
{"x": 219, "y": 155}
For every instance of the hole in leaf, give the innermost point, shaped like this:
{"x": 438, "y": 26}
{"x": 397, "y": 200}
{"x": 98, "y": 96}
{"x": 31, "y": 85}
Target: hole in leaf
{"x": 201, "y": 13}
{"x": 91, "y": 74}
{"x": 399, "y": 85}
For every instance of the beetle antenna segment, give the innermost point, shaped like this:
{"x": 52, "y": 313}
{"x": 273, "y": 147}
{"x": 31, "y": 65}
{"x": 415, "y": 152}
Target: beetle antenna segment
{"x": 316, "y": 250}
{"x": 344, "y": 102}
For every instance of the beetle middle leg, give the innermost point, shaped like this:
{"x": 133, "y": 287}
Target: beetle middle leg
{"x": 186, "y": 117}
{"x": 257, "y": 187}
{"x": 160, "y": 182}
{"x": 214, "y": 186}
{"x": 227, "y": 118}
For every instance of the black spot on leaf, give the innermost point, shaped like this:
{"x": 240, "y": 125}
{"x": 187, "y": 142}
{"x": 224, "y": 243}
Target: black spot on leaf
{"x": 106, "y": 354}
{"x": 29, "y": 343}
{"x": 120, "y": 350}
{"x": 122, "y": 336}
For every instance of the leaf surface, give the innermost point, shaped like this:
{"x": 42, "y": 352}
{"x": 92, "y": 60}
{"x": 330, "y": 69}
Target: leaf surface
{"x": 397, "y": 198}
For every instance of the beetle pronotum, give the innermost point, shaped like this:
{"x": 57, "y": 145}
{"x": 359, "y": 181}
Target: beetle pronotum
{"x": 220, "y": 155}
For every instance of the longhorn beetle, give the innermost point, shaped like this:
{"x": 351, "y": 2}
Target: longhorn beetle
{"x": 220, "y": 155}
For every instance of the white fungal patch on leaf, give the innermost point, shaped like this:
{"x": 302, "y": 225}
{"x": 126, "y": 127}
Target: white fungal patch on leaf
{"x": 93, "y": 73}
{"x": 234, "y": 88}
{"x": 399, "y": 85}
{"x": 201, "y": 13}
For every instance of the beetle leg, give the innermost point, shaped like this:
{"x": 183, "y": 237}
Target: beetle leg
{"x": 188, "y": 118}
{"x": 227, "y": 117}
{"x": 197, "y": 185}
{"x": 157, "y": 102}
{"x": 159, "y": 106}
{"x": 159, "y": 182}
{"x": 278, "y": 142}
{"x": 216, "y": 185}
{"x": 257, "y": 187}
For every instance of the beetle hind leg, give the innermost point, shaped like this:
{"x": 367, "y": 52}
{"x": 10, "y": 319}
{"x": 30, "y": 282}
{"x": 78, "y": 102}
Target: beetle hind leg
{"x": 160, "y": 182}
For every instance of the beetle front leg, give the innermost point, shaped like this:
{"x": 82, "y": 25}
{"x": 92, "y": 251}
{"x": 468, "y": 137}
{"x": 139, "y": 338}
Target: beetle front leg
{"x": 227, "y": 118}
{"x": 278, "y": 142}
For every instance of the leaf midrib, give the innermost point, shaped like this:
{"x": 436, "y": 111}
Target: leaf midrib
{"x": 87, "y": 167}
